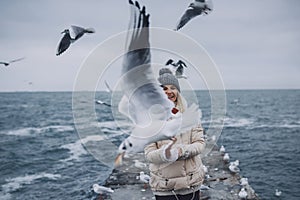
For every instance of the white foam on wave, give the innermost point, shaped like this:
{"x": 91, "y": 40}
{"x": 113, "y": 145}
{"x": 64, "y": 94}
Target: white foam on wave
{"x": 16, "y": 183}
{"x": 242, "y": 122}
{"x": 291, "y": 126}
{"x": 109, "y": 129}
{"x": 77, "y": 150}
{"x": 29, "y": 131}
{"x": 230, "y": 122}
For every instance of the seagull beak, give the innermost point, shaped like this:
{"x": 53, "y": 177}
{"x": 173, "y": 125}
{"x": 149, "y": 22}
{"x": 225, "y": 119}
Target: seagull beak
{"x": 119, "y": 159}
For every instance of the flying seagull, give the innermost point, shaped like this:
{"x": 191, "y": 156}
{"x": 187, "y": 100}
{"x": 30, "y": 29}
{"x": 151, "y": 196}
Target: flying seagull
{"x": 178, "y": 68}
{"x": 103, "y": 103}
{"x": 11, "y": 61}
{"x": 70, "y": 36}
{"x": 196, "y": 8}
{"x": 144, "y": 102}
{"x": 108, "y": 88}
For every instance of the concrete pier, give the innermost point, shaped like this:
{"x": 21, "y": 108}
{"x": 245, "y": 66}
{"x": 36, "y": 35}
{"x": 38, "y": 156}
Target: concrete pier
{"x": 221, "y": 182}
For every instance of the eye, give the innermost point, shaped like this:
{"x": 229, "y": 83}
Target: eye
{"x": 173, "y": 88}
{"x": 130, "y": 144}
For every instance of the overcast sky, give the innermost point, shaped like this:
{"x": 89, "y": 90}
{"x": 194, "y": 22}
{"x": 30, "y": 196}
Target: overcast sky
{"x": 254, "y": 44}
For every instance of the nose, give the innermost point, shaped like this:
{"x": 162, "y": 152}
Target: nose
{"x": 167, "y": 91}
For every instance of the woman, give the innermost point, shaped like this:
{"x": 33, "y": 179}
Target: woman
{"x": 175, "y": 166}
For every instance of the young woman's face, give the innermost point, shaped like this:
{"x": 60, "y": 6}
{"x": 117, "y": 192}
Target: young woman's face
{"x": 171, "y": 91}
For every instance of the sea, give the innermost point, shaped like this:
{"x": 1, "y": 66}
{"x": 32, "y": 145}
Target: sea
{"x": 44, "y": 154}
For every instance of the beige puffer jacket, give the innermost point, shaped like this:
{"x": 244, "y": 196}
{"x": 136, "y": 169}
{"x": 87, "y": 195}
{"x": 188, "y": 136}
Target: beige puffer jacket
{"x": 186, "y": 172}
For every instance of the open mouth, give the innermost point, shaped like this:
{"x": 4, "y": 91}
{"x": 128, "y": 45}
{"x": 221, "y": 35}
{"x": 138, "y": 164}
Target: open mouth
{"x": 171, "y": 97}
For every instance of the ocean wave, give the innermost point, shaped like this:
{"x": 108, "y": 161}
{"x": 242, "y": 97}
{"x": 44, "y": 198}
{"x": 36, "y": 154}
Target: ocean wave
{"x": 16, "y": 183}
{"x": 29, "y": 131}
{"x": 77, "y": 149}
{"x": 109, "y": 130}
{"x": 229, "y": 122}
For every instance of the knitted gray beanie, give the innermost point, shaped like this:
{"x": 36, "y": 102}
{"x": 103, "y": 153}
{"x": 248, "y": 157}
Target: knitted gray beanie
{"x": 166, "y": 77}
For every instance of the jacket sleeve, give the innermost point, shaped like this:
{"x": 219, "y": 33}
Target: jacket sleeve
{"x": 153, "y": 154}
{"x": 196, "y": 146}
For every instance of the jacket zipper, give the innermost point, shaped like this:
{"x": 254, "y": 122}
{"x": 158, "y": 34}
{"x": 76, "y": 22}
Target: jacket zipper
{"x": 167, "y": 181}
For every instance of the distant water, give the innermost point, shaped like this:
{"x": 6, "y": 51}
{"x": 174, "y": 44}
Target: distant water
{"x": 42, "y": 156}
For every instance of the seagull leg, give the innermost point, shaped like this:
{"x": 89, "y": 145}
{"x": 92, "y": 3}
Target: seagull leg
{"x": 145, "y": 186}
{"x": 100, "y": 197}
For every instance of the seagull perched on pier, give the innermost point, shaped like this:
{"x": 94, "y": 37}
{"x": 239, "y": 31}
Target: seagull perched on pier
{"x": 101, "y": 189}
{"x": 236, "y": 162}
{"x": 144, "y": 178}
{"x": 144, "y": 102}
{"x": 6, "y": 63}
{"x": 205, "y": 169}
{"x": 243, "y": 193}
{"x": 139, "y": 164}
{"x": 70, "y": 36}
{"x": 222, "y": 149}
{"x": 196, "y": 8}
{"x": 244, "y": 181}
{"x": 233, "y": 167}
{"x": 178, "y": 68}
{"x": 226, "y": 157}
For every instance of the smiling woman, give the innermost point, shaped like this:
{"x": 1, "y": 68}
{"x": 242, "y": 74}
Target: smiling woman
{"x": 175, "y": 166}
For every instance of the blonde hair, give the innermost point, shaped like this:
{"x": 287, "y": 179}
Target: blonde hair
{"x": 181, "y": 103}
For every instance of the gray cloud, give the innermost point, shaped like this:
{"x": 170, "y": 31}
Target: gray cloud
{"x": 254, "y": 43}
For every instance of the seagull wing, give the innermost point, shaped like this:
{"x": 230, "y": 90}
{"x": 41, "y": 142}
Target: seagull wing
{"x": 15, "y": 60}
{"x": 189, "y": 14}
{"x": 64, "y": 44}
{"x": 76, "y": 32}
{"x": 108, "y": 87}
{"x": 139, "y": 85}
{"x": 181, "y": 63}
{"x": 170, "y": 61}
